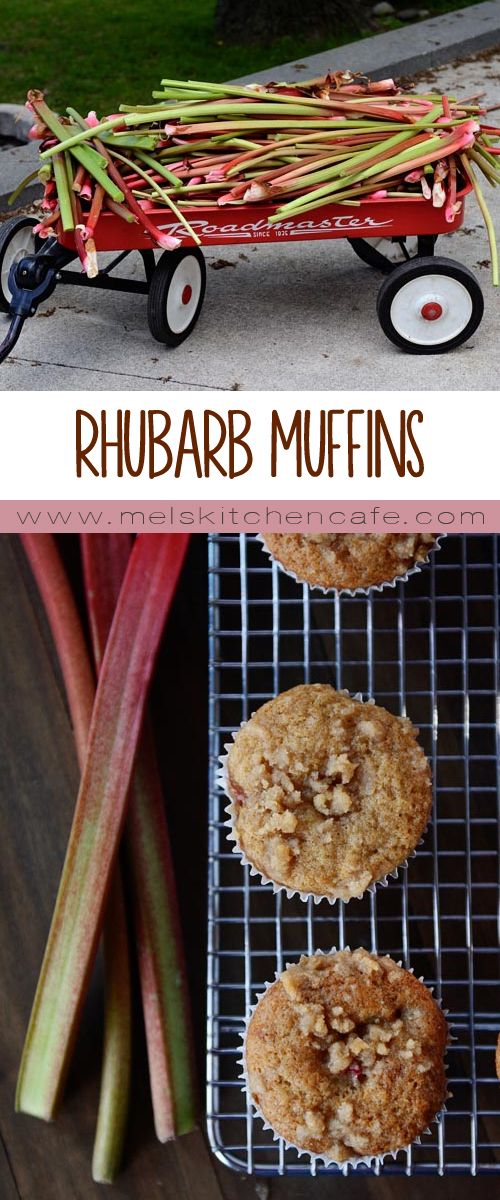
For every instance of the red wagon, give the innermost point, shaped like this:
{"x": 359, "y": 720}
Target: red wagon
{"x": 425, "y": 305}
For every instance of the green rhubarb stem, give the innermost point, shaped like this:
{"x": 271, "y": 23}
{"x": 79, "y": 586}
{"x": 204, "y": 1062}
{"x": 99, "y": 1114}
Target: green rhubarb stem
{"x": 215, "y": 90}
{"x": 63, "y": 192}
{"x": 121, "y": 211}
{"x": 292, "y": 108}
{"x": 180, "y": 95}
{"x": 195, "y": 85}
{"x": 260, "y": 153}
{"x": 139, "y": 142}
{"x": 48, "y": 118}
{"x": 83, "y": 154}
{"x": 225, "y": 142}
{"x": 66, "y": 630}
{"x": 176, "y": 152}
{"x": 21, "y": 186}
{"x": 344, "y": 101}
{"x": 490, "y": 172}
{"x": 161, "y": 965}
{"x": 114, "y": 1096}
{"x": 434, "y": 148}
{"x": 341, "y": 128}
{"x": 347, "y": 197}
{"x": 490, "y": 229}
{"x": 132, "y": 119}
{"x": 76, "y": 139}
{"x": 364, "y": 157}
{"x": 142, "y": 609}
{"x": 155, "y": 910}
{"x": 159, "y": 167}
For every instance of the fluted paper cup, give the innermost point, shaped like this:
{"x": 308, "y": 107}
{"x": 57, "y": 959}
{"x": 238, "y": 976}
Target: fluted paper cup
{"x": 368, "y": 1160}
{"x": 353, "y": 592}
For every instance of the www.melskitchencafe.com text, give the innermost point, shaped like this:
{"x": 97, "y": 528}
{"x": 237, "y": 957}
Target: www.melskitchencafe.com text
{"x": 249, "y": 517}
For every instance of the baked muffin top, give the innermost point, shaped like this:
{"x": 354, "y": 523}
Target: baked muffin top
{"x": 348, "y": 560}
{"x": 344, "y": 1055}
{"x": 328, "y": 794}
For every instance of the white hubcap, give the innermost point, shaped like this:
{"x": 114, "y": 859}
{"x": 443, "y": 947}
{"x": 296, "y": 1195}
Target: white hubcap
{"x": 431, "y": 309}
{"x": 22, "y": 242}
{"x": 183, "y": 294}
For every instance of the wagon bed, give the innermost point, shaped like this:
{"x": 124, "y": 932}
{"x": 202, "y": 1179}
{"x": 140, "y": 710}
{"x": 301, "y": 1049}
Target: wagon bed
{"x": 426, "y": 305}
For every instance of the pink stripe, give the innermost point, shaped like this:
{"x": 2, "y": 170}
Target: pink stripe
{"x": 383, "y": 516}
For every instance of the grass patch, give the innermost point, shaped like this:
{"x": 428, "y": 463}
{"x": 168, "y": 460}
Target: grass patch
{"x": 99, "y": 53}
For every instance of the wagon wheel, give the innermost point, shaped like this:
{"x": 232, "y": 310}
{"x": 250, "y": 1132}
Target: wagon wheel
{"x": 16, "y": 240}
{"x": 176, "y": 295}
{"x": 430, "y": 305}
{"x": 386, "y": 253}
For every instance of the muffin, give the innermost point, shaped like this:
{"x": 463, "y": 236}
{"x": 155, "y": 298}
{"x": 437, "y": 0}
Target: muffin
{"x": 349, "y": 561}
{"x": 328, "y": 795}
{"x": 344, "y": 1056}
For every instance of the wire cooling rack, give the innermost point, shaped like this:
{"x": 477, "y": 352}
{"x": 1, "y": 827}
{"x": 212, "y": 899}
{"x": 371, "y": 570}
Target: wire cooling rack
{"x": 428, "y": 648}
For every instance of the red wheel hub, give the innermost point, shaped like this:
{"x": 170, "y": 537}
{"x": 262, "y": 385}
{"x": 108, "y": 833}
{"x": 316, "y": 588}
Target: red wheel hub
{"x": 431, "y": 311}
{"x": 187, "y": 292}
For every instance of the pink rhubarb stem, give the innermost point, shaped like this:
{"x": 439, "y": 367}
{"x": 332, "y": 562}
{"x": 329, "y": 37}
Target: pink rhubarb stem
{"x": 451, "y": 199}
{"x": 161, "y": 961}
{"x": 145, "y": 598}
{"x": 62, "y": 616}
{"x": 95, "y": 210}
{"x": 66, "y": 630}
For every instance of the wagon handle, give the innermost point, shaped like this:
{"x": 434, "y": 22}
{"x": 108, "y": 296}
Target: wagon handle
{"x": 11, "y": 338}
{"x": 31, "y": 280}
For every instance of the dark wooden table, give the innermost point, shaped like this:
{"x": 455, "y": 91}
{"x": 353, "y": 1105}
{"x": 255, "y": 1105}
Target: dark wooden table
{"x": 38, "y": 782}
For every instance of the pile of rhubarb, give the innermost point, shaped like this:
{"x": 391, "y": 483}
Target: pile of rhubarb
{"x": 118, "y": 857}
{"x": 341, "y": 139}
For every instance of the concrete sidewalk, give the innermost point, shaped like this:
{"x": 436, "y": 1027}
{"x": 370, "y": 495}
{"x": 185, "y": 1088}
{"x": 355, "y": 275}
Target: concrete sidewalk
{"x": 275, "y": 317}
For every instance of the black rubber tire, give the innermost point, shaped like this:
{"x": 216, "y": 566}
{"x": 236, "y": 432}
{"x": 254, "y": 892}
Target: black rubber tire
{"x": 158, "y": 294}
{"x": 416, "y": 268}
{"x": 7, "y": 231}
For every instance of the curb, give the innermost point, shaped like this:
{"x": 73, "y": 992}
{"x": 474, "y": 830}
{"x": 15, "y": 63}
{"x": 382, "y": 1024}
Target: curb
{"x": 16, "y": 161}
{"x": 416, "y": 47}
{"x": 15, "y": 121}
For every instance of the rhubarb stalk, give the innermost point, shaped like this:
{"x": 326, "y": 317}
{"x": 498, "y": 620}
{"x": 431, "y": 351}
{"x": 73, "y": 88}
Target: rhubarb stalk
{"x": 360, "y": 130}
{"x": 159, "y": 946}
{"x": 85, "y": 154}
{"x": 145, "y": 598}
{"x": 114, "y": 1095}
{"x": 486, "y": 216}
{"x": 64, "y": 623}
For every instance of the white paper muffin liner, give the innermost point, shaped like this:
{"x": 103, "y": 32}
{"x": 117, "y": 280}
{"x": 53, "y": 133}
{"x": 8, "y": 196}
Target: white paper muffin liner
{"x": 368, "y": 1160}
{"x": 361, "y": 591}
{"x": 223, "y": 781}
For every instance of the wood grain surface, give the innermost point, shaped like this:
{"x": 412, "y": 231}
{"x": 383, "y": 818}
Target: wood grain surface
{"x": 38, "y": 784}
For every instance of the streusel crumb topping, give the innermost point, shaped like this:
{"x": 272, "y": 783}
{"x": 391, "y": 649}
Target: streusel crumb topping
{"x": 345, "y": 1055}
{"x": 329, "y": 794}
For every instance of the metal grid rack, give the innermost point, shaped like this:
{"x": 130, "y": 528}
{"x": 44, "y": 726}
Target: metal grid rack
{"x": 428, "y": 648}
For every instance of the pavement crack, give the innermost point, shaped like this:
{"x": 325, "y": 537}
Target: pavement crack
{"x": 209, "y": 387}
